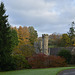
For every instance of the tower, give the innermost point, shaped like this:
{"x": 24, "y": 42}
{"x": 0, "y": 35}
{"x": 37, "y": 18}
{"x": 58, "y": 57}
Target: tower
{"x": 45, "y": 44}
{"x": 40, "y": 46}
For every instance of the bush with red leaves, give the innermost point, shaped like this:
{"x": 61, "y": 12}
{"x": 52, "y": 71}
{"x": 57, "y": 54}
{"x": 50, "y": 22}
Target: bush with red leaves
{"x": 37, "y": 61}
{"x": 44, "y": 61}
{"x": 55, "y": 61}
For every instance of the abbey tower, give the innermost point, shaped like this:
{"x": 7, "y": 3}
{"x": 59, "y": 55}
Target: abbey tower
{"x": 42, "y": 45}
{"x": 45, "y": 44}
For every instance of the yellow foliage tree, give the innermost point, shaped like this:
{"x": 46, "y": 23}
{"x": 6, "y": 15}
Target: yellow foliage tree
{"x": 24, "y": 47}
{"x": 24, "y": 35}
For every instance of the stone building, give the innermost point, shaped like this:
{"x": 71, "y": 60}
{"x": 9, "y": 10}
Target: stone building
{"x": 45, "y": 44}
{"x": 42, "y": 47}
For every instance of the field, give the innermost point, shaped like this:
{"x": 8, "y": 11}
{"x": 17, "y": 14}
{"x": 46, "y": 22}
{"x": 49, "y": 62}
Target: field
{"x": 48, "y": 71}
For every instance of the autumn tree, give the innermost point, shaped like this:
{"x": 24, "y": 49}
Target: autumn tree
{"x": 65, "y": 41}
{"x": 24, "y": 47}
{"x": 26, "y": 35}
{"x": 25, "y": 50}
{"x": 73, "y": 41}
{"x": 33, "y": 35}
{"x": 20, "y": 34}
{"x": 23, "y": 35}
{"x": 54, "y": 40}
{"x": 5, "y": 40}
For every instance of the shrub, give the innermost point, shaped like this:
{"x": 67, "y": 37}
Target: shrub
{"x": 20, "y": 62}
{"x": 8, "y": 65}
{"x": 73, "y": 59}
{"x": 37, "y": 61}
{"x": 43, "y": 61}
{"x": 55, "y": 61}
{"x": 65, "y": 54}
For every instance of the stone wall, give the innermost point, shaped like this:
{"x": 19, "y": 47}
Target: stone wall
{"x": 55, "y": 51}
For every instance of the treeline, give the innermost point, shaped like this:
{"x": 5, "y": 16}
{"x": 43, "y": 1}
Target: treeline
{"x": 16, "y": 44}
{"x": 23, "y": 38}
{"x": 63, "y": 40}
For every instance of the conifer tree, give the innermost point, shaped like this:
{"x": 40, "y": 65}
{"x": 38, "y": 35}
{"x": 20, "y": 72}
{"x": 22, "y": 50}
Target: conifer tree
{"x": 33, "y": 35}
{"x": 5, "y": 40}
{"x": 14, "y": 35}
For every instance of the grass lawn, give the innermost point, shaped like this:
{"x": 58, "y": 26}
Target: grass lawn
{"x": 48, "y": 71}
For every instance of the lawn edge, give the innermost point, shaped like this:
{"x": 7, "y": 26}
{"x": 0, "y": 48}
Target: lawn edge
{"x": 65, "y": 69}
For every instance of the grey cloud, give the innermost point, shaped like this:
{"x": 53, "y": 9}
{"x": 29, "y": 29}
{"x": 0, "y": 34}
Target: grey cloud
{"x": 45, "y": 15}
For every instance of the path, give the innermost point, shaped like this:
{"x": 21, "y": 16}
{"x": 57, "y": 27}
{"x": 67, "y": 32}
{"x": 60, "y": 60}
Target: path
{"x": 67, "y": 72}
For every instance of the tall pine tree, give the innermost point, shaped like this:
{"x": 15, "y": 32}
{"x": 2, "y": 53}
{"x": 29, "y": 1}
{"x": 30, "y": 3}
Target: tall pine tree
{"x": 5, "y": 40}
{"x": 71, "y": 33}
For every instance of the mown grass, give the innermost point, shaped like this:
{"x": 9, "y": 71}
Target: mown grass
{"x": 48, "y": 71}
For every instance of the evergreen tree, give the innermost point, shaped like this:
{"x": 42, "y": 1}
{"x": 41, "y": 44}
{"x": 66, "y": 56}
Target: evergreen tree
{"x": 72, "y": 33}
{"x": 5, "y": 40}
{"x": 14, "y": 35}
{"x": 33, "y": 35}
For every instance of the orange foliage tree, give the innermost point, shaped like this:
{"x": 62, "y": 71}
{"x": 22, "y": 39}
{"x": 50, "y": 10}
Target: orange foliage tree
{"x": 23, "y": 35}
{"x": 24, "y": 47}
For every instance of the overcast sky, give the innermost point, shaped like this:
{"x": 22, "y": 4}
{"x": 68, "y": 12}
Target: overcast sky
{"x": 46, "y": 16}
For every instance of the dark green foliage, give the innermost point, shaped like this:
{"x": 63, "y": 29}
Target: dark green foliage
{"x": 73, "y": 59}
{"x": 71, "y": 34}
{"x": 65, "y": 54}
{"x": 5, "y": 40}
{"x": 20, "y": 62}
{"x": 14, "y": 37}
{"x": 33, "y": 35}
{"x": 71, "y": 30}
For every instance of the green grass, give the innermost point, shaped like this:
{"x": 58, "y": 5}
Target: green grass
{"x": 51, "y": 46}
{"x": 48, "y": 71}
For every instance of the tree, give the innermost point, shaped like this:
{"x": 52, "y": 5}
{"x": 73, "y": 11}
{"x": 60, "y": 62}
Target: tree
{"x": 65, "y": 41}
{"x": 20, "y": 62}
{"x": 26, "y": 35}
{"x": 20, "y": 34}
{"x": 73, "y": 41}
{"x": 65, "y": 54}
{"x": 33, "y": 35}
{"x": 5, "y": 40}
{"x": 25, "y": 50}
{"x": 72, "y": 34}
{"x": 23, "y": 35}
{"x": 24, "y": 47}
{"x": 54, "y": 40}
{"x": 14, "y": 37}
